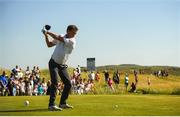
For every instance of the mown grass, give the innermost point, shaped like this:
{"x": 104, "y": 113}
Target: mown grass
{"x": 96, "y": 105}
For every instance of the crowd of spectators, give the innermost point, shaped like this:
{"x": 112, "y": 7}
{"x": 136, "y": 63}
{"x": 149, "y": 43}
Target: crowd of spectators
{"x": 21, "y": 83}
{"x": 29, "y": 82}
{"x": 161, "y": 73}
{"x": 82, "y": 85}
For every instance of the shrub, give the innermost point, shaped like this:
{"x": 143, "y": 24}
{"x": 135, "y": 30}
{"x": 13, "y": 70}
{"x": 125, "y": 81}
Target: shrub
{"x": 148, "y": 91}
{"x": 176, "y": 91}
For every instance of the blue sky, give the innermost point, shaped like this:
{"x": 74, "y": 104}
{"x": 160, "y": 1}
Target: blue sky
{"x": 144, "y": 32}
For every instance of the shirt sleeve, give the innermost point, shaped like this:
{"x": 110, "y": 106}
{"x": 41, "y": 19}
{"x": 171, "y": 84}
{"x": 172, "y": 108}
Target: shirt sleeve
{"x": 69, "y": 42}
{"x": 54, "y": 41}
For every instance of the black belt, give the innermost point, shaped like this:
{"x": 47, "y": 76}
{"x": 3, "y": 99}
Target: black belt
{"x": 60, "y": 65}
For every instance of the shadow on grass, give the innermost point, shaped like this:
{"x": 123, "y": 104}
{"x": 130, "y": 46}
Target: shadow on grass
{"x": 31, "y": 110}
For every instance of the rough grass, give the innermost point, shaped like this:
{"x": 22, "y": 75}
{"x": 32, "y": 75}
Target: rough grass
{"x": 96, "y": 105}
{"x": 169, "y": 85}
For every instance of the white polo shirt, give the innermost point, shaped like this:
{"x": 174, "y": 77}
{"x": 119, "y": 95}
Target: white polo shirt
{"x": 63, "y": 49}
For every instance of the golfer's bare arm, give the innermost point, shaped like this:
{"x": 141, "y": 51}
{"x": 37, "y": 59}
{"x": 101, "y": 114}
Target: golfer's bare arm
{"x": 49, "y": 43}
{"x": 56, "y": 37}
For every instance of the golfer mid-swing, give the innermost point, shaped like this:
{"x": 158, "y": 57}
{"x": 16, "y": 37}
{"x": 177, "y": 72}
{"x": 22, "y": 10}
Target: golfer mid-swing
{"x": 64, "y": 46}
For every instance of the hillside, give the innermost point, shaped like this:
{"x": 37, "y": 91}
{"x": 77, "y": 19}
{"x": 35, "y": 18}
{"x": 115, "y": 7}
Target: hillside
{"x": 129, "y": 68}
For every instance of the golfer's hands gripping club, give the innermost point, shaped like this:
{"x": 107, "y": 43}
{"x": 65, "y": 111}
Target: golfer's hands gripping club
{"x": 43, "y": 31}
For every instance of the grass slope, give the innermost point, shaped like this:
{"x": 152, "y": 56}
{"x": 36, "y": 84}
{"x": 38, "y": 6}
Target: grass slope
{"x": 95, "y": 105}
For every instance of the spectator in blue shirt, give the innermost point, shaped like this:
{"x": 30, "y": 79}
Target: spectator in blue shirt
{"x": 3, "y": 83}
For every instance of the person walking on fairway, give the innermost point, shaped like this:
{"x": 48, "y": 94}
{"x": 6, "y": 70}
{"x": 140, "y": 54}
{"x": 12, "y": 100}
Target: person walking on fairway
{"x": 64, "y": 46}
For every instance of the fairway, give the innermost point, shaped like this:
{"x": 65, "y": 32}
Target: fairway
{"x": 105, "y": 105}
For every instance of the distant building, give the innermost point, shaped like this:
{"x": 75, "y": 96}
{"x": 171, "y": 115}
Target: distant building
{"x": 91, "y": 64}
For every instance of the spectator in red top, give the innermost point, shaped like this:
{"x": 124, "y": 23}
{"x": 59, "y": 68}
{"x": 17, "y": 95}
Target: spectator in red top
{"x": 110, "y": 81}
{"x": 97, "y": 77}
